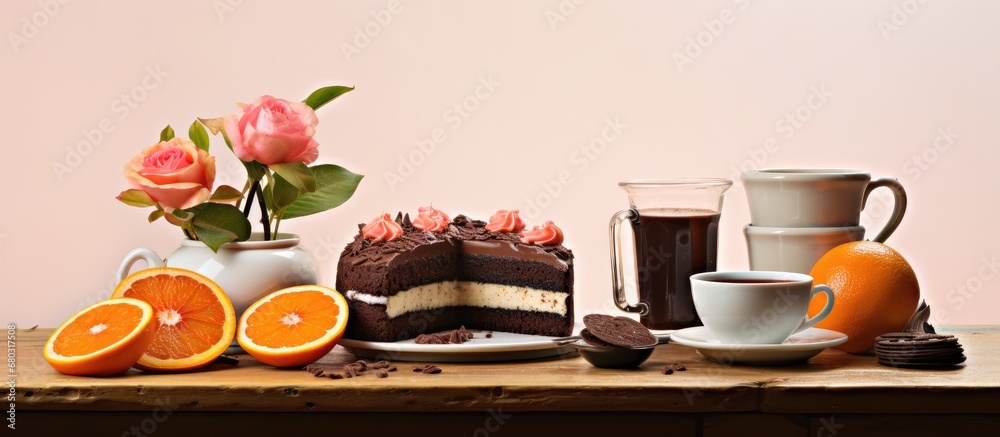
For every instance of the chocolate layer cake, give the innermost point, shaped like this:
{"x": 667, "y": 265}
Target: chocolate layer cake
{"x": 462, "y": 274}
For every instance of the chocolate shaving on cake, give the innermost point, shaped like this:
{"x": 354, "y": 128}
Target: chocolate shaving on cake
{"x": 918, "y": 346}
{"x": 382, "y": 373}
{"x": 458, "y": 336}
{"x": 489, "y": 334}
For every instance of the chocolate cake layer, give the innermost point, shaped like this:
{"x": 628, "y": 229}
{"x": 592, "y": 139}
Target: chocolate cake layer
{"x": 512, "y": 271}
{"x": 374, "y": 325}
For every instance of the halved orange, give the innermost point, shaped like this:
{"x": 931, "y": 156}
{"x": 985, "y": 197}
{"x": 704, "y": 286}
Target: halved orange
{"x": 106, "y": 338}
{"x": 194, "y": 317}
{"x": 294, "y": 326}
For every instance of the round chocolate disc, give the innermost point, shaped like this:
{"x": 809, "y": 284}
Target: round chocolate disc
{"x": 619, "y": 331}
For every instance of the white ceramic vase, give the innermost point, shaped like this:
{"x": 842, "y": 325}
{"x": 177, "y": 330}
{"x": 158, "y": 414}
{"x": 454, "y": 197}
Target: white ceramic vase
{"x": 246, "y": 271}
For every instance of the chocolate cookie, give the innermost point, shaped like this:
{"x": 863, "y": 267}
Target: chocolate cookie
{"x": 592, "y": 340}
{"x": 918, "y": 349}
{"x": 619, "y": 331}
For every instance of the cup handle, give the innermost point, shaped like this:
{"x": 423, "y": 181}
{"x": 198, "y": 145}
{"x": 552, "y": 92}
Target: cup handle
{"x": 810, "y": 322}
{"x": 617, "y": 269}
{"x": 898, "y": 205}
{"x": 140, "y": 254}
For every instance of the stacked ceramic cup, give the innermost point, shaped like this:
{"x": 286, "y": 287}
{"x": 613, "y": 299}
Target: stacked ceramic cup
{"x": 797, "y": 215}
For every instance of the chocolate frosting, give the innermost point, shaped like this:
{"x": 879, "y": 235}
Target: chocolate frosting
{"x": 470, "y": 234}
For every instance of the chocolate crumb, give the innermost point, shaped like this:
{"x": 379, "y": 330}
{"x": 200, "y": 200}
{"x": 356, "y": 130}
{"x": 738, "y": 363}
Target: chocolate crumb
{"x": 380, "y": 365}
{"x": 428, "y": 368}
{"x": 674, "y": 367}
{"x": 381, "y": 373}
{"x": 335, "y": 376}
{"x": 227, "y": 360}
{"x": 458, "y": 336}
{"x": 319, "y": 370}
{"x": 429, "y": 339}
{"x": 350, "y": 371}
{"x": 362, "y": 365}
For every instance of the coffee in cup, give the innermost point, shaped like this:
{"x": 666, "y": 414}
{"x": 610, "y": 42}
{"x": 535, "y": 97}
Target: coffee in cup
{"x": 758, "y": 307}
{"x": 675, "y": 233}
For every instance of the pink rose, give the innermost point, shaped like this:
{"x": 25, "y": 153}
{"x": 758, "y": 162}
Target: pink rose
{"x": 431, "y": 220}
{"x": 176, "y": 173}
{"x": 382, "y": 228}
{"x": 274, "y": 131}
{"x": 547, "y": 235}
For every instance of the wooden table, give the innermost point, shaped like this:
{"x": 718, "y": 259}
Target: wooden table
{"x": 834, "y": 394}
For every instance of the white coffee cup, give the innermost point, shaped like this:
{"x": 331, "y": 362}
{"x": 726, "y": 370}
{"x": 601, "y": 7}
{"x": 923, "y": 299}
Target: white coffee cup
{"x": 817, "y": 197}
{"x": 794, "y": 249}
{"x": 756, "y": 307}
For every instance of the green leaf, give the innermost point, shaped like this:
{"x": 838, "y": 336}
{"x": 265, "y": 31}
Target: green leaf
{"x": 297, "y": 174}
{"x": 216, "y": 224}
{"x": 179, "y": 217}
{"x": 198, "y": 135}
{"x": 226, "y": 194}
{"x": 334, "y": 185}
{"x": 255, "y": 170}
{"x": 325, "y": 95}
{"x": 283, "y": 193}
{"x": 137, "y": 198}
{"x": 155, "y": 215}
{"x": 167, "y": 133}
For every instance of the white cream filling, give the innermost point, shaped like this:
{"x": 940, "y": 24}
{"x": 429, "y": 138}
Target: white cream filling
{"x": 466, "y": 293}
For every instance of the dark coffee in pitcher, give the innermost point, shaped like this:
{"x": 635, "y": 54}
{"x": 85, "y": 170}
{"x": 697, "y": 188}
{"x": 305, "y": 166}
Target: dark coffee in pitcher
{"x": 670, "y": 246}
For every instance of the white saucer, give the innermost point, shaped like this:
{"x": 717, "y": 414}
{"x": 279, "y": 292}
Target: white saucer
{"x": 796, "y": 349}
{"x": 501, "y": 346}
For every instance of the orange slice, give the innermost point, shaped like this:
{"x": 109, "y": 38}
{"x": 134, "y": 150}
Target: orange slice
{"x": 106, "y": 338}
{"x": 294, "y": 326}
{"x": 194, "y": 317}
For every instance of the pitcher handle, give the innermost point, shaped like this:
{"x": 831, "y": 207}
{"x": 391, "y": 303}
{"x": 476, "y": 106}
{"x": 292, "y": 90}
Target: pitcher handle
{"x": 617, "y": 269}
{"x": 898, "y": 205}
{"x": 143, "y": 254}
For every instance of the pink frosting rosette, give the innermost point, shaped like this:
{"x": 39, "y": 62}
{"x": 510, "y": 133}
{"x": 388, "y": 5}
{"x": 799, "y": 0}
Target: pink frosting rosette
{"x": 431, "y": 220}
{"x": 382, "y": 228}
{"x": 505, "y": 221}
{"x": 546, "y": 235}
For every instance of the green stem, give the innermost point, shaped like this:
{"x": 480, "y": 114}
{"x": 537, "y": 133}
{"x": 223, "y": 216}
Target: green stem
{"x": 277, "y": 220}
{"x": 253, "y": 192}
{"x": 243, "y": 194}
{"x": 263, "y": 213}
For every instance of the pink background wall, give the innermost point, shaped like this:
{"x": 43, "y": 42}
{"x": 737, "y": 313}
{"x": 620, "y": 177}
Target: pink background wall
{"x": 894, "y": 75}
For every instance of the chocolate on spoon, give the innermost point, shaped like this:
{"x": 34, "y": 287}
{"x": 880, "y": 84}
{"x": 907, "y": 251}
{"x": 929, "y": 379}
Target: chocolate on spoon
{"x": 619, "y": 331}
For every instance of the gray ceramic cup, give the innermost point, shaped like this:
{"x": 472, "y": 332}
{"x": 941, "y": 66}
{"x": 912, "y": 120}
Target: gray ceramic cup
{"x": 816, "y": 197}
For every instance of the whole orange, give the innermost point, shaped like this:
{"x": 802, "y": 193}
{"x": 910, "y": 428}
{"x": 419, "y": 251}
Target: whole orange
{"x": 875, "y": 291}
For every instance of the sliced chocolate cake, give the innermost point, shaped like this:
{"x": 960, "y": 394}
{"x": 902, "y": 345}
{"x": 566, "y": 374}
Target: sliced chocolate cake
{"x": 402, "y": 278}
